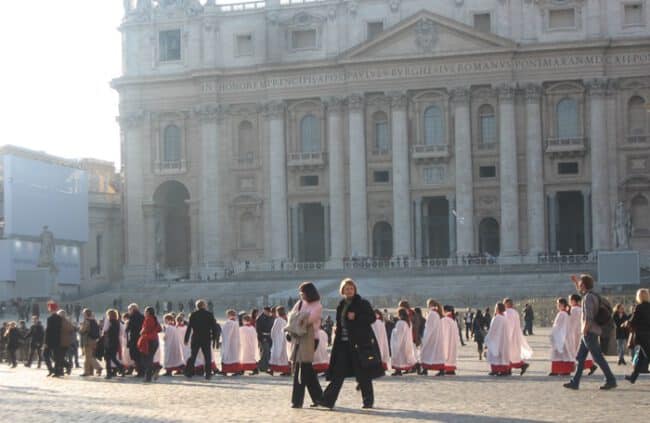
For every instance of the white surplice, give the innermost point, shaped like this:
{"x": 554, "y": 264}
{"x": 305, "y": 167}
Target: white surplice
{"x": 560, "y": 339}
{"x": 321, "y": 358}
{"x": 519, "y": 348}
{"x": 249, "y": 352}
{"x": 279, "y": 345}
{"x": 432, "y": 355}
{"x": 450, "y": 341}
{"x": 401, "y": 345}
{"x": 497, "y": 343}
{"x": 172, "y": 348}
{"x": 379, "y": 328}
{"x": 230, "y": 346}
{"x": 575, "y": 329}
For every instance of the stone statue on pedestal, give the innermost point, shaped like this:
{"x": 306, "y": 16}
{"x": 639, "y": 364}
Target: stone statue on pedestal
{"x": 623, "y": 227}
{"x": 48, "y": 249}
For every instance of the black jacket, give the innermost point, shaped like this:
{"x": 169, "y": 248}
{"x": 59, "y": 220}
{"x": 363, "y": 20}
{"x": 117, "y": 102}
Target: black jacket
{"x": 360, "y": 336}
{"x": 36, "y": 334}
{"x": 621, "y": 332}
{"x": 53, "y": 331}
{"x": 133, "y": 328}
{"x": 202, "y": 326}
{"x": 112, "y": 335}
{"x": 640, "y": 323}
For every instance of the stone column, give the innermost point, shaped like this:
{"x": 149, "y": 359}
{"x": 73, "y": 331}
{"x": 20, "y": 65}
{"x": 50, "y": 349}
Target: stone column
{"x": 401, "y": 188}
{"x": 586, "y": 202}
{"x": 358, "y": 199}
{"x": 552, "y": 222}
{"x": 278, "y": 181}
{"x": 417, "y": 205}
{"x": 336, "y": 232}
{"x": 132, "y": 127}
{"x": 451, "y": 200}
{"x": 294, "y": 232}
{"x": 326, "y": 230}
{"x": 194, "y": 213}
{"x": 149, "y": 211}
{"x": 464, "y": 182}
{"x": 509, "y": 190}
{"x": 210, "y": 117}
{"x": 535, "y": 171}
{"x": 601, "y": 226}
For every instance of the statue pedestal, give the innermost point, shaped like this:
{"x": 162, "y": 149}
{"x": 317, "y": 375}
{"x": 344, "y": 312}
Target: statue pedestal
{"x": 36, "y": 283}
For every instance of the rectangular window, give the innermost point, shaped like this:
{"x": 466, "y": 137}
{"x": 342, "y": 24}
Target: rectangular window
{"x": 562, "y": 18}
{"x": 374, "y": 29}
{"x": 381, "y": 132}
{"x": 433, "y": 175}
{"x": 169, "y": 43}
{"x": 487, "y": 172}
{"x": 381, "y": 176}
{"x": 244, "y": 45}
{"x": 633, "y": 14}
{"x": 482, "y": 22}
{"x": 309, "y": 181}
{"x": 303, "y": 39}
{"x": 567, "y": 168}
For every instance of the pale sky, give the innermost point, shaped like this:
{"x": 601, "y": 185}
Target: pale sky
{"x": 59, "y": 58}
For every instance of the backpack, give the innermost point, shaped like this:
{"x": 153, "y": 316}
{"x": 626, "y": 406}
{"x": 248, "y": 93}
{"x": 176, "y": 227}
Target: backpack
{"x": 605, "y": 312}
{"x": 93, "y": 331}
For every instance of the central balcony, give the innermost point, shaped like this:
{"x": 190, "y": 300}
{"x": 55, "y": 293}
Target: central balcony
{"x": 430, "y": 152}
{"x": 316, "y": 159}
{"x": 171, "y": 167}
{"x": 576, "y": 146}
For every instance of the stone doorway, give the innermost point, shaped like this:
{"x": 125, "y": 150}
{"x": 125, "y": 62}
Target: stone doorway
{"x": 435, "y": 227}
{"x": 172, "y": 227}
{"x": 382, "y": 240}
{"x": 488, "y": 237}
{"x": 571, "y": 222}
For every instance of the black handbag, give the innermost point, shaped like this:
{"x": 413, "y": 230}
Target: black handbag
{"x": 368, "y": 355}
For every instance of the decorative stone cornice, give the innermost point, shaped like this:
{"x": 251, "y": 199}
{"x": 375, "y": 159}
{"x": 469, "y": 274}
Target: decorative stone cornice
{"x": 533, "y": 93}
{"x": 131, "y": 120}
{"x": 209, "y": 112}
{"x": 275, "y": 109}
{"x": 459, "y": 95}
{"x": 398, "y": 100}
{"x": 333, "y": 104}
{"x": 506, "y": 93}
{"x": 355, "y": 102}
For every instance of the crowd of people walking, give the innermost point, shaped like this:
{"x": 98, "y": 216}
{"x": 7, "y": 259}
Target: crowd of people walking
{"x": 365, "y": 342}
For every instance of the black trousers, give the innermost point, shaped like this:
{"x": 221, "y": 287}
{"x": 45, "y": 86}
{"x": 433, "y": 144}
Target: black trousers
{"x": 305, "y": 376}
{"x": 110, "y": 356}
{"x": 12, "y": 356}
{"x": 136, "y": 356}
{"x": 206, "y": 349}
{"x": 55, "y": 359}
{"x": 147, "y": 360}
{"x": 265, "y": 352}
{"x": 345, "y": 360}
{"x": 35, "y": 349}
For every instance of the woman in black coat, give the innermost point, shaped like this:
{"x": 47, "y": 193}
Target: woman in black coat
{"x": 355, "y": 352}
{"x": 112, "y": 345}
{"x": 639, "y": 323}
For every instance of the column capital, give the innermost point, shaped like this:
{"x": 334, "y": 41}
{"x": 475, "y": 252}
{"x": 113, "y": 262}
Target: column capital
{"x": 209, "y": 112}
{"x": 333, "y": 104}
{"x": 506, "y": 93}
{"x": 275, "y": 109}
{"x": 460, "y": 95}
{"x": 398, "y": 99}
{"x": 355, "y": 101}
{"x": 598, "y": 87}
{"x": 533, "y": 93}
{"x": 131, "y": 120}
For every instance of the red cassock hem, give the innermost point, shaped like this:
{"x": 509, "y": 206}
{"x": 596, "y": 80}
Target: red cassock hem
{"x": 518, "y": 365}
{"x": 433, "y": 366}
{"x": 174, "y": 369}
{"x": 589, "y": 364}
{"x": 280, "y": 369}
{"x": 231, "y": 367}
{"x": 248, "y": 366}
{"x": 562, "y": 367}
{"x": 403, "y": 369}
{"x": 450, "y": 368}
{"x": 384, "y": 365}
{"x": 500, "y": 368}
{"x": 321, "y": 367}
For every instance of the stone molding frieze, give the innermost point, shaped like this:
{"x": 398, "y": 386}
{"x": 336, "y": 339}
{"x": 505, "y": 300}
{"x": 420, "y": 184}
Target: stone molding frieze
{"x": 597, "y": 87}
{"x": 131, "y": 120}
{"x": 460, "y": 96}
{"x": 333, "y": 104}
{"x": 398, "y": 100}
{"x": 275, "y": 109}
{"x": 209, "y": 112}
{"x": 506, "y": 93}
{"x": 355, "y": 102}
{"x": 533, "y": 93}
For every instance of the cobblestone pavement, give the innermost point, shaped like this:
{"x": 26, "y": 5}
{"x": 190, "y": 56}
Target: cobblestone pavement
{"x": 473, "y": 396}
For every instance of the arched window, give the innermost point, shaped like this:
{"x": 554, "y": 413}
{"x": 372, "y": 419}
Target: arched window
{"x": 640, "y": 214}
{"x": 380, "y": 124}
{"x": 246, "y": 141}
{"x": 636, "y": 116}
{"x": 171, "y": 144}
{"x": 310, "y": 134}
{"x": 487, "y": 123}
{"x": 567, "y": 119}
{"x": 247, "y": 231}
{"x": 434, "y": 128}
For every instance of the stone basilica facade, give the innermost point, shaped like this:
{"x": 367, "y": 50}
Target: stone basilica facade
{"x": 312, "y": 131}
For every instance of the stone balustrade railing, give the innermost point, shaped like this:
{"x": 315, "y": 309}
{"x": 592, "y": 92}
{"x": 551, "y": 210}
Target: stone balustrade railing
{"x": 638, "y": 139}
{"x": 307, "y": 159}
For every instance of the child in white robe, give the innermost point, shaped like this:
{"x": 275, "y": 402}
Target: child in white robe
{"x": 497, "y": 343}
{"x": 126, "y": 360}
{"x": 401, "y": 344}
{"x": 432, "y": 354}
{"x": 249, "y": 353}
{"x": 519, "y": 348}
{"x": 279, "y": 359}
{"x": 230, "y": 346}
{"x": 450, "y": 340}
{"x": 186, "y": 350}
{"x": 321, "y": 361}
{"x": 575, "y": 328}
{"x": 379, "y": 329}
{"x": 562, "y": 361}
{"x": 173, "y": 360}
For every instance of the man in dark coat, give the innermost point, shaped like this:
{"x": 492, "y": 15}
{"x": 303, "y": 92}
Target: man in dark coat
{"x": 202, "y": 327}
{"x": 355, "y": 352}
{"x": 53, "y": 350}
{"x": 36, "y": 335}
{"x": 263, "y": 326}
{"x": 133, "y": 328}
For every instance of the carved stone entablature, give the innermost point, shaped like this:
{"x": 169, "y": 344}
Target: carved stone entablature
{"x": 333, "y": 104}
{"x": 426, "y": 35}
{"x": 209, "y": 112}
{"x": 533, "y": 93}
{"x": 275, "y": 109}
{"x": 483, "y": 94}
{"x": 548, "y": 3}
{"x": 459, "y": 95}
{"x": 131, "y": 120}
{"x": 597, "y": 86}
{"x": 170, "y": 7}
{"x": 355, "y": 101}
{"x": 379, "y": 100}
{"x": 398, "y": 100}
{"x": 506, "y": 93}
{"x": 303, "y": 19}
{"x": 239, "y": 110}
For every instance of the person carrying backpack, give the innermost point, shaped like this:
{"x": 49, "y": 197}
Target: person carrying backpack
{"x": 596, "y": 314}
{"x": 89, "y": 332}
